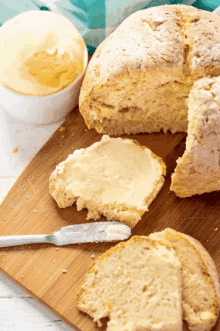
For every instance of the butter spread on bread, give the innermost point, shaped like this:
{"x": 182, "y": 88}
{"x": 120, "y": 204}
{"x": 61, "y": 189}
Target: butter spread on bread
{"x": 115, "y": 177}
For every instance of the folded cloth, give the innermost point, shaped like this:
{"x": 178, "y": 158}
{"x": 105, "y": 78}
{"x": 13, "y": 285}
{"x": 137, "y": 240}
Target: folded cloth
{"x": 95, "y": 19}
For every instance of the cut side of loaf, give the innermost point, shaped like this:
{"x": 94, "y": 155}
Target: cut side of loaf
{"x": 198, "y": 170}
{"x": 115, "y": 177}
{"x": 201, "y": 294}
{"x": 139, "y": 78}
{"x": 137, "y": 285}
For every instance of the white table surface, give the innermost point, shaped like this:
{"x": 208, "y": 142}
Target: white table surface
{"x": 19, "y": 311}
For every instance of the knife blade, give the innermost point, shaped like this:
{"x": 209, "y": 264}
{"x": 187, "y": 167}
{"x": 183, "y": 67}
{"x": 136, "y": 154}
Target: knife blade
{"x": 74, "y": 234}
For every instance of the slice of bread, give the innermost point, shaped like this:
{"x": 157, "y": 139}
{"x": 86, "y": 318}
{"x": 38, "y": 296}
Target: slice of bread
{"x": 201, "y": 294}
{"x": 198, "y": 170}
{"x": 115, "y": 177}
{"x": 137, "y": 285}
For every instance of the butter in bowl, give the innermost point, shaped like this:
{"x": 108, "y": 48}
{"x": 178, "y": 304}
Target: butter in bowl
{"x": 43, "y": 60}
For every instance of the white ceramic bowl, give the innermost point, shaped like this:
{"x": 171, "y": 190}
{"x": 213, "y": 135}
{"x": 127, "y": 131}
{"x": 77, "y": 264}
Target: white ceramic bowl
{"x": 217, "y": 11}
{"x": 43, "y": 109}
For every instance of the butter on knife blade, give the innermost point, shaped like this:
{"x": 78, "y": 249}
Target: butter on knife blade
{"x": 74, "y": 234}
{"x": 92, "y": 232}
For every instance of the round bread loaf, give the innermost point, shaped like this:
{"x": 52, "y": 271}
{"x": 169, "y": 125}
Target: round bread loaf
{"x": 139, "y": 78}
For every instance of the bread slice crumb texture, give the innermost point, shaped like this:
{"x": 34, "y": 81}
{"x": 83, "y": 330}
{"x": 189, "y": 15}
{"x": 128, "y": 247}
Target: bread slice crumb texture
{"x": 201, "y": 295}
{"x": 115, "y": 177}
{"x": 137, "y": 285}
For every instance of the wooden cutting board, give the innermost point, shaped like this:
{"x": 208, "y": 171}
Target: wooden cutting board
{"x": 29, "y": 209}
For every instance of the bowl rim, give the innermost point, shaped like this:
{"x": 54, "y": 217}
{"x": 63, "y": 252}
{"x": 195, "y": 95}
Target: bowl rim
{"x": 216, "y": 11}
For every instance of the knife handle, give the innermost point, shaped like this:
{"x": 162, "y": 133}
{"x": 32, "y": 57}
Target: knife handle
{"x": 6, "y": 241}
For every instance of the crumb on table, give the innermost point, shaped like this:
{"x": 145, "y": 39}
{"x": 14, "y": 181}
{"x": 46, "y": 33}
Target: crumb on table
{"x": 15, "y": 150}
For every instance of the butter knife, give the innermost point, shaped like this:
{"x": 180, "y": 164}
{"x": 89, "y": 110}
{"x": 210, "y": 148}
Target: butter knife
{"x": 74, "y": 234}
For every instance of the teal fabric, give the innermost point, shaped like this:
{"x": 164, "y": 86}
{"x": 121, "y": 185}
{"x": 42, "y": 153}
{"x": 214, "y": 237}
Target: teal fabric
{"x": 9, "y": 9}
{"x": 209, "y": 5}
{"x": 95, "y": 19}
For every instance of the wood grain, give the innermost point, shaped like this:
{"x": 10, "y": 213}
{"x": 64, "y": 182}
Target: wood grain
{"x": 29, "y": 209}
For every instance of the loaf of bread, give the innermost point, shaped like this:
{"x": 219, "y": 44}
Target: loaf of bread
{"x": 115, "y": 177}
{"x": 137, "y": 285}
{"x": 198, "y": 170}
{"x": 139, "y": 78}
{"x": 200, "y": 284}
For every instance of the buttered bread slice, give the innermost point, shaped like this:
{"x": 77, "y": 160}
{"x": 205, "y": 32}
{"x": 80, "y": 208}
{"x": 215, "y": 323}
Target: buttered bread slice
{"x": 115, "y": 177}
{"x": 198, "y": 170}
{"x": 201, "y": 294}
{"x": 137, "y": 285}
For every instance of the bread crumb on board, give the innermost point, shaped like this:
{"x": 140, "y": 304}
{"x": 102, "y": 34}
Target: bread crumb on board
{"x": 92, "y": 256}
{"x": 15, "y": 130}
{"x": 64, "y": 271}
{"x": 15, "y": 150}
{"x": 216, "y": 229}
